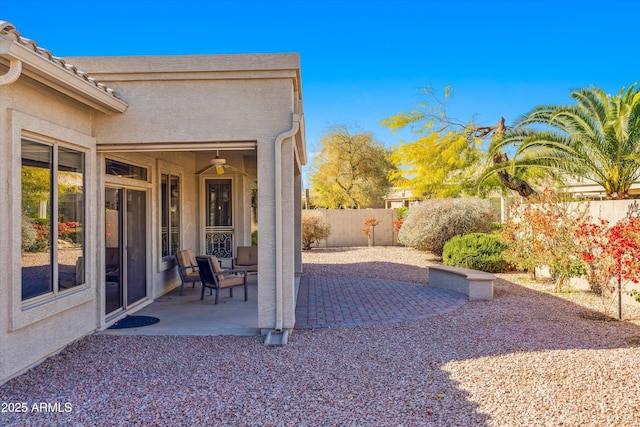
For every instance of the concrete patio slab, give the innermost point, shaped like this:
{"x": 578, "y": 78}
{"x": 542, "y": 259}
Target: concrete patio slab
{"x": 188, "y": 315}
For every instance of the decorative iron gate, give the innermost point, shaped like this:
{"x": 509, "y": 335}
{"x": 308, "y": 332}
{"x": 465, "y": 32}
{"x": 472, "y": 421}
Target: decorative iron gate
{"x": 219, "y": 242}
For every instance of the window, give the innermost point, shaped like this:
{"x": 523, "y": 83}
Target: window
{"x": 170, "y": 189}
{"x": 219, "y": 203}
{"x": 53, "y": 205}
{"x": 125, "y": 170}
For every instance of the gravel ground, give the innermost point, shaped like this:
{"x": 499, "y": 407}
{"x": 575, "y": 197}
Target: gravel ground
{"x": 527, "y": 358}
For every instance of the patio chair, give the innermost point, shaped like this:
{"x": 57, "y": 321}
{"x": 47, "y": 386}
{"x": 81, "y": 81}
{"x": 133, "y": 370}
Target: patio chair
{"x": 187, "y": 268}
{"x": 214, "y": 277}
{"x": 246, "y": 258}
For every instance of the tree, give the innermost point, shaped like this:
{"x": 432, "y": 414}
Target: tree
{"x": 36, "y": 184}
{"x": 351, "y": 170}
{"x": 598, "y": 138}
{"x": 447, "y": 157}
{"x": 509, "y": 180}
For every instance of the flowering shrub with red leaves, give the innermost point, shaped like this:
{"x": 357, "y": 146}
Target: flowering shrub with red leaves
{"x": 397, "y": 225}
{"x": 611, "y": 252}
{"x": 624, "y": 248}
{"x": 541, "y": 231}
{"x": 612, "y": 256}
{"x": 371, "y": 222}
{"x": 368, "y": 231}
{"x": 593, "y": 240}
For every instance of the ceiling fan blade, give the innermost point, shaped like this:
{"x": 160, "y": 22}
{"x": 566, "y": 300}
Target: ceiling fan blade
{"x": 236, "y": 169}
{"x": 203, "y": 170}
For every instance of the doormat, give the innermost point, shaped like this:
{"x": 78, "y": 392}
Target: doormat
{"x": 134, "y": 322}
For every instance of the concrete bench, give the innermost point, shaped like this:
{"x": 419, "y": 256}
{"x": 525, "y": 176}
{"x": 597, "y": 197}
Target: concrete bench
{"x": 477, "y": 285}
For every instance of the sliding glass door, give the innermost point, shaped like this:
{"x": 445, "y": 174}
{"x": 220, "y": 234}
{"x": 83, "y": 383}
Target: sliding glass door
{"x": 125, "y": 248}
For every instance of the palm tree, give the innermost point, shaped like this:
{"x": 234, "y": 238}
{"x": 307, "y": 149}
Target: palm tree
{"x": 598, "y": 138}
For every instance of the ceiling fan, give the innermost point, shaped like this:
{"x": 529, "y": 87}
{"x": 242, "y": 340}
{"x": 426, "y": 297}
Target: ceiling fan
{"x": 220, "y": 165}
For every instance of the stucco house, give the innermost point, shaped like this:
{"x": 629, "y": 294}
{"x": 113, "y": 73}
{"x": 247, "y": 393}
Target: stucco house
{"x": 106, "y": 173}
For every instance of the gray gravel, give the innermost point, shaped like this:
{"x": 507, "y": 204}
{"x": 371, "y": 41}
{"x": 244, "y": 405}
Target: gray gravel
{"x": 527, "y": 358}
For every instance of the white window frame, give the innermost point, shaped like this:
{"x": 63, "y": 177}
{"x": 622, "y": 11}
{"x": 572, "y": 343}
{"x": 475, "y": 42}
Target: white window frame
{"x": 54, "y": 220}
{"x": 22, "y": 314}
{"x": 171, "y": 169}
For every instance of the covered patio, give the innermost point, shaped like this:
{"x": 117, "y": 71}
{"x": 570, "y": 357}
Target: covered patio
{"x": 188, "y": 315}
{"x": 330, "y": 294}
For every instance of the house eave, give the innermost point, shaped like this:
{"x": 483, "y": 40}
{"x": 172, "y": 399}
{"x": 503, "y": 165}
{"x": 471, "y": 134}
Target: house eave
{"x": 52, "y": 75}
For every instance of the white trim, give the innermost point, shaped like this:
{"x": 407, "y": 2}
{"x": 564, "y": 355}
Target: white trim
{"x": 171, "y": 169}
{"x": 126, "y": 308}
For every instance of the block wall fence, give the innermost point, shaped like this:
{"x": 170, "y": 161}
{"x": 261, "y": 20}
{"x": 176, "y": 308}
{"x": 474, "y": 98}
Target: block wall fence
{"x": 347, "y": 224}
{"x": 347, "y": 227}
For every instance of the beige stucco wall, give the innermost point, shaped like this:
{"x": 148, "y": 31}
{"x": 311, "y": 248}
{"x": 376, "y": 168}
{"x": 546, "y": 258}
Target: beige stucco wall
{"x": 220, "y": 99}
{"x": 172, "y": 101}
{"x": 197, "y": 98}
{"x": 30, "y": 333}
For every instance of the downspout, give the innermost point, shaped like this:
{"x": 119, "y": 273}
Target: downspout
{"x": 8, "y": 32}
{"x": 295, "y": 126}
{"x": 15, "y": 69}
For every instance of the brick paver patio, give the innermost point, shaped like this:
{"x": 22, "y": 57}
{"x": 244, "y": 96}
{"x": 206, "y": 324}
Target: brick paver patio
{"x": 341, "y": 301}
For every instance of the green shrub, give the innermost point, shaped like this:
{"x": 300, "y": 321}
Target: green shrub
{"x": 401, "y": 213}
{"x": 430, "y": 224}
{"x": 314, "y": 228}
{"x": 478, "y": 251}
{"x": 254, "y": 238}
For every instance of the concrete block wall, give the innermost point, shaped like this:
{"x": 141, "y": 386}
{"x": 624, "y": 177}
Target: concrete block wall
{"x": 347, "y": 227}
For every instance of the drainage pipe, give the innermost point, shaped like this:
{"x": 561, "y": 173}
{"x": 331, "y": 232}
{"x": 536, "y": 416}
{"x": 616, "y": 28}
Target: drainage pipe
{"x": 295, "y": 126}
{"x": 15, "y": 69}
{"x": 8, "y": 32}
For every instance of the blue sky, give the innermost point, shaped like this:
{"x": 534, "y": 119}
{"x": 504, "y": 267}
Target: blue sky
{"x": 364, "y": 60}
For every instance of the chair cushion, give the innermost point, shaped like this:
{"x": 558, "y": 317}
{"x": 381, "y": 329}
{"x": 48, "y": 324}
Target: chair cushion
{"x": 216, "y": 266}
{"x": 247, "y": 256}
{"x": 247, "y": 267}
{"x": 231, "y": 280}
{"x": 187, "y": 258}
{"x": 192, "y": 277}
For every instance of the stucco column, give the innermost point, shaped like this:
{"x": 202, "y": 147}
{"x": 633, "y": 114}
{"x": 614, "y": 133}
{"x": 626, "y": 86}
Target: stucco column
{"x": 297, "y": 249}
{"x": 289, "y": 209}
{"x": 276, "y": 247}
{"x": 266, "y": 235}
